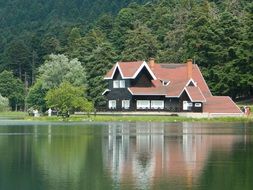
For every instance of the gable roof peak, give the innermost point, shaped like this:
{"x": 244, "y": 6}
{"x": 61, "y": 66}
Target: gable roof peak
{"x": 129, "y": 70}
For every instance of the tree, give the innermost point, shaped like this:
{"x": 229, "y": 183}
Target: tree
{"x": 13, "y": 89}
{"x": 36, "y": 96}
{"x": 4, "y": 104}
{"x": 18, "y": 56}
{"x": 98, "y": 63}
{"x": 67, "y": 98}
{"x": 58, "y": 68}
{"x": 140, "y": 44}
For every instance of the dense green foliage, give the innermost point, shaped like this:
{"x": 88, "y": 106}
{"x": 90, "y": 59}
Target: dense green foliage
{"x": 13, "y": 89}
{"x": 67, "y": 98}
{"x": 36, "y": 96}
{"x": 4, "y": 104}
{"x": 56, "y": 70}
{"x": 216, "y": 34}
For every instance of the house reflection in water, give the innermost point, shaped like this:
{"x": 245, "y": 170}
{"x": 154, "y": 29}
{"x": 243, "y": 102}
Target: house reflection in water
{"x": 141, "y": 153}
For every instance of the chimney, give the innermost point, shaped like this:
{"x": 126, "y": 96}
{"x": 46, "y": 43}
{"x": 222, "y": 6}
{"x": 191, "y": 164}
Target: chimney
{"x": 189, "y": 68}
{"x": 152, "y": 63}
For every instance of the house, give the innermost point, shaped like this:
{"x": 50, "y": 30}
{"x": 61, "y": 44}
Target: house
{"x": 141, "y": 86}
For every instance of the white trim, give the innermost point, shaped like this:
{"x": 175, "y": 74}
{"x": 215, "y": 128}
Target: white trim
{"x": 144, "y": 64}
{"x": 175, "y": 96}
{"x": 202, "y": 94}
{"x": 130, "y": 91}
{"x": 122, "y": 83}
{"x": 123, "y": 104}
{"x": 140, "y": 107}
{"x": 112, "y": 72}
{"x": 197, "y": 105}
{"x": 106, "y": 90}
{"x": 191, "y": 80}
{"x": 203, "y": 79}
{"x": 234, "y": 104}
{"x": 191, "y": 97}
{"x": 165, "y": 83}
{"x": 112, "y": 104}
{"x": 153, "y": 104}
{"x": 145, "y": 94}
{"x": 115, "y": 68}
{"x": 116, "y": 83}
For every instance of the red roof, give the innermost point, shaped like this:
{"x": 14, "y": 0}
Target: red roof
{"x": 175, "y": 88}
{"x": 177, "y": 75}
{"x": 220, "y": 104}
{"x": 195, "y": 94}
{"x": 127, "y": 69}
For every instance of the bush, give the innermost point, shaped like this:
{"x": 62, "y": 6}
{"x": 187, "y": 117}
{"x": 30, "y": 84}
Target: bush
{"x": 4, "y": 104}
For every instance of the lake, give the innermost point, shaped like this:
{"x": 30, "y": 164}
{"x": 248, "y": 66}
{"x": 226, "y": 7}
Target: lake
{"x": 101, "y": 156}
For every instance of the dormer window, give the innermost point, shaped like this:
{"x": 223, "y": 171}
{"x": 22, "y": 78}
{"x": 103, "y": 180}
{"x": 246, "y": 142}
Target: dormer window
{"x": 191, "y": 82}
{"x": 116, "y": 84}
{"x": 165, "y": 83}
{"x": 119, "y": 84}
{"x": 122, "y": 84}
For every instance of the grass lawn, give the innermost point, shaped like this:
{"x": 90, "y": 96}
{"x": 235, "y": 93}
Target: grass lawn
{"x": 12, "y": 114}
{"x": 107, "y": 118}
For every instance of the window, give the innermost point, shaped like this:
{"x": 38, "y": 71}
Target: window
{"x": 198, "y": 105}
{"x": 116, "y": 84}
{"x": 125, "y": 104}
{"x": 122, "y": 84}
{"x": 157, "y": 104}
{"x": 119, "y": 84}
{"x": 143, "y": 104}
{"x": 187, "y": 105}
{"x": 112, "y": 104}
{"x": 166, "y": 83}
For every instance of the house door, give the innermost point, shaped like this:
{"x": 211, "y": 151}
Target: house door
{"x": 185, "y": 105}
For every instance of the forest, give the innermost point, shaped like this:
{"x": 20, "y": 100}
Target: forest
{"x": 216, "y": 34}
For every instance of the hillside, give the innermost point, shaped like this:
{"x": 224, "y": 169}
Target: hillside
{"x": 31, "y": 29}
{"x": 216, "y": 34}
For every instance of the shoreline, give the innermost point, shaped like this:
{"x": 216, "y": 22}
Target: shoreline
{"x": 121, "y": 118}
{"x": 99, "y": 118}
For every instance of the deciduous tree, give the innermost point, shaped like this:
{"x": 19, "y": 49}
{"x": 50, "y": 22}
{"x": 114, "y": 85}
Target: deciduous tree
{"x": 67, "y": 98}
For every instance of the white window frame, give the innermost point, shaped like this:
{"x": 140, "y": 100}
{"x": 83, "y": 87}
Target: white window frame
{"x": 125, "y": 104}
{"x": 198, "y": 105}
{"x": 112, "y": 104}
{"x": 143, "y": 104}
{"x": 187, "y": 105}
{"x": 157, "y": 104}
{"x": 119, "y": 84}
{"x": 116, "y": 84}
{"x": 122, "y": 84}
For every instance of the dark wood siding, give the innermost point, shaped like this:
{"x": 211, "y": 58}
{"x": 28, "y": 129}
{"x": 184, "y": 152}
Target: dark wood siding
{"x": 185, "y": 97}
{"x": 119, "y": 94}
{"x": 143, "y": 79}
{"x": 172, "y": 104}
{"x": 117, "y": 76}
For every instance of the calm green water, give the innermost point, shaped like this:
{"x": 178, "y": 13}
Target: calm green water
{"x": 46, "y": 156}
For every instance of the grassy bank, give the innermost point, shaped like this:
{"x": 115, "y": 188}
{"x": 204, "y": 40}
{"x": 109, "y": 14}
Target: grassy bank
{"x": 12, "y": 114}
{"x": 105, "y": 118}
{"x": 111, "y": 118}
